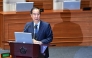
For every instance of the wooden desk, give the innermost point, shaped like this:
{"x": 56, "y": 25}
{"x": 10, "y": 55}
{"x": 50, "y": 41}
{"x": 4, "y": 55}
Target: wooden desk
{"x": 70, "y": 28}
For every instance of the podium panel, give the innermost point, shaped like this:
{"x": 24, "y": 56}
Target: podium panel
{"x": 24, "y": 50}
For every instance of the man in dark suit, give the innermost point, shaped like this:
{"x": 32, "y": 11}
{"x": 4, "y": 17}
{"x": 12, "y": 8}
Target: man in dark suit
{"x": 43, "y": 33}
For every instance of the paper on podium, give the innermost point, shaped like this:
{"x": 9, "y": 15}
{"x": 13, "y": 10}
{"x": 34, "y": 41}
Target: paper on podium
{"x": 43, "y": 48}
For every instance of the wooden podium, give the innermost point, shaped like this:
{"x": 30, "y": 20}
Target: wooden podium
{"x": 24, "y": 50}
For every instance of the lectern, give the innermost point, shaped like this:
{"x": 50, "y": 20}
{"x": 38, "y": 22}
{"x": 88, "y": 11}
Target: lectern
{"x": 24, "y": 50}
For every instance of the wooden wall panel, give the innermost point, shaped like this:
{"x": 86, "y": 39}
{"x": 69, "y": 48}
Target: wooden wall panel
{"x": 1, "y": 30}
{"x": 46, "y": 4}
{"x": 70, "y": 28}
{"x": 86, "y": 3}
{"x": 1, "y": 5}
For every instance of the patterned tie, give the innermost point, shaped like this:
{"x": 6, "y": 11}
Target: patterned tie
{"x": 35, "y": 32}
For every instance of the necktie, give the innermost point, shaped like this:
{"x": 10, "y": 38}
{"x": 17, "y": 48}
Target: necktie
{"x": 35, "y": 32}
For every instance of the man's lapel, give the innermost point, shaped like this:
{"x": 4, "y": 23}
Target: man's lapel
{"x": 32, "y": 29}
{"x": 40, "y": 29}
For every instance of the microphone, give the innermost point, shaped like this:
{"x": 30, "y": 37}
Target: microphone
{"x": 26, "y": 28}
{"x": 35, "y": 27}
{"x": 35, "y": 33}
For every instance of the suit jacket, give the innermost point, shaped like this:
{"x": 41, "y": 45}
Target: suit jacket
{"x": 44, "y": 35}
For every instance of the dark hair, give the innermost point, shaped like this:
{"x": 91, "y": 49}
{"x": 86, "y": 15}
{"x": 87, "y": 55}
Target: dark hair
{"x": 35, "y": 8}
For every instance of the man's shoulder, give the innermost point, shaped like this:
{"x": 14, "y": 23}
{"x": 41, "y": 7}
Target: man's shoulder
{"x": 46, "y": 23}
{"x": 28, "y": 23}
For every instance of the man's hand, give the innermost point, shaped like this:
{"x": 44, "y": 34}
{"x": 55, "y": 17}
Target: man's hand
{"x": 37, "y": 42}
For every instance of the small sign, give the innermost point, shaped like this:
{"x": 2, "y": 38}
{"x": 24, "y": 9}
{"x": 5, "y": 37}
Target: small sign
{"x": 4, "y": 55}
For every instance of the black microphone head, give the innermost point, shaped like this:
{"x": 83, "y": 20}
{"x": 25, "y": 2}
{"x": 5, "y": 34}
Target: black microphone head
{"x": 35, "y": 26}
{"x": 26, "y": 28}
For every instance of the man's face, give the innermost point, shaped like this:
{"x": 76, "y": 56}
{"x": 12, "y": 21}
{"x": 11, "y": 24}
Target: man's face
{"x": 35, "y": 15}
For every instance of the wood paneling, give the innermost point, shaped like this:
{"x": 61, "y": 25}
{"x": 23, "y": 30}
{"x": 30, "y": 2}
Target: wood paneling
{"x": 86, "y": 3}
{"x": 70, "y": 28}
{"x": 1, "y": 32}
{"x": 1, "y": 5}
{"x": 46, "y": 4}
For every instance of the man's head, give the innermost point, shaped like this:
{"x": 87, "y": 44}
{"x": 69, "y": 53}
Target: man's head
{"x": 35, "y": 14}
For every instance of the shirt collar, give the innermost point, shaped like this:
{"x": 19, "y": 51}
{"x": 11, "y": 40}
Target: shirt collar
{"x": 38, "y": 24}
